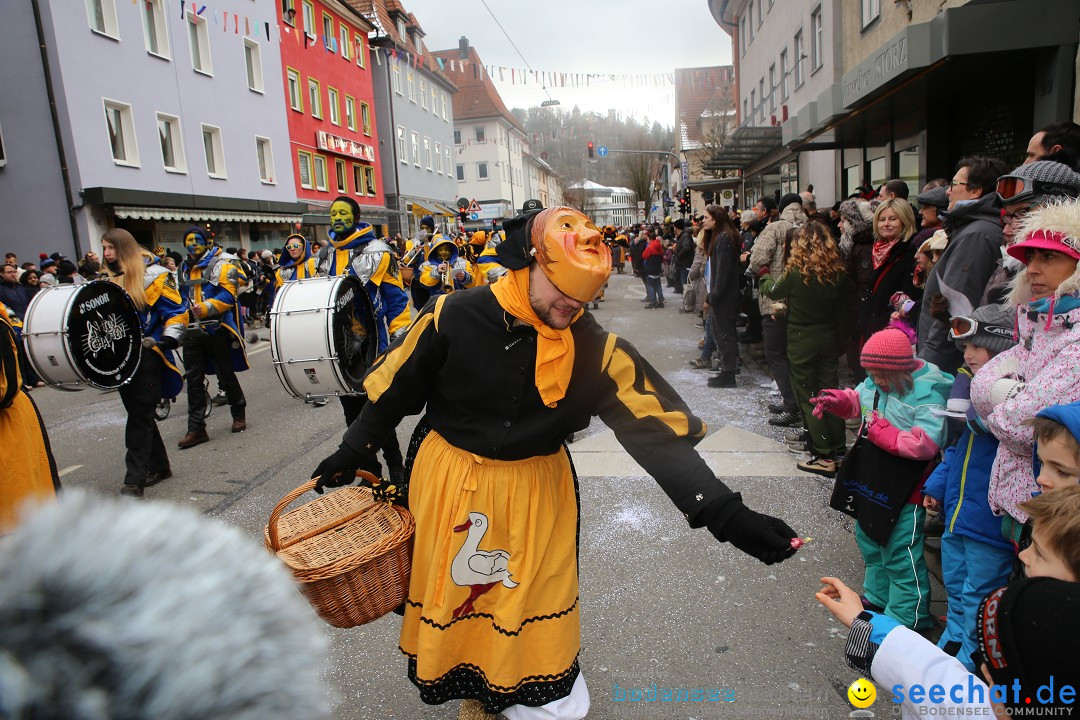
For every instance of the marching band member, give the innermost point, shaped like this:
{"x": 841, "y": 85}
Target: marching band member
{"x": 163, "y": 318}
{"x": 28, "y": 472}
{"x": 472, "y": 250}
{"x": 297, "y": 262}
{"x": 443, "y": 271}
{"x": 354, "y": 250}
{"x": 214, "y": 279}
{"x": 415, "y": 255}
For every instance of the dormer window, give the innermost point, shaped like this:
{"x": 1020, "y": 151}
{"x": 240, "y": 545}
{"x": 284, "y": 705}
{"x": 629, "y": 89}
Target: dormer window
{"x": 401, "y": 29}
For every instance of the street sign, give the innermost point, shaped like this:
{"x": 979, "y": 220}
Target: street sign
{"x": 474, "y": 216}
{"x": 474, "y": 207}
{"x": 685, "y": 173}
{"x": 640, "y": 204}
{"x": 601, "y": 151}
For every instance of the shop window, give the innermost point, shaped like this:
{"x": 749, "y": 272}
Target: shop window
{"x": 172, "y": 145}
{"x": 121, "y": 126}
{"x": 155, "y": 28}
{"x": 907, "y": 163}
{"x": 199, "y": 40}
{"x": 102, "y": 17}
{"x": 879, "y": 171}
{"x": 265, "y": 154}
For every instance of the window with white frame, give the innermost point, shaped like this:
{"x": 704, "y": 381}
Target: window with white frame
{"x": 401, "y": 29}
{"x": 155, "y": 28}
{"x": 482, "y": 171}
{"x": 199, "y": 41}
{"x": 320, "y": 172}
{"x": 358, "y": 179}
{"x": 253, "y": 65}
{"x": 427, "y": 153}
{"x": 343, "y": 34}
{"x": 783, "y": 75}
{"x": 423, "y": 93}
{"x": 3, "y": 152}
{"x": 369, "y": 176}
{"x": 479, "y": 134}
{"x": 457, "y": 136}
{"x": 395, "y": 75}
{"x": 309, "y": 19}
{"x": 359, "y": 49}
{"x": 434, "y": 99}
{"x": 332, "y": 99}
{"x": 402, "y": 151}
{"x": 214, "y": 151}
{"x": 742, "y": 34}
{"x": 102, "y": 17}
{"x": 350, "y": 113}
{"x": 761, "y": 94}
{"x": 799, "y": 55}
{"x": 264, "y": 153}
{"x": 461, "y": 173}
{"x": 314, "y": 97}
{"x": 416, "y": 149}
{"x": 750, "y": 20}
{"x": 772, "y": 88}
{"x": 296, "y": 97}
{"x": 438, "y": 158}
{"x": 120, "y": 123}
{"x": 445, "y": 116}
{"x": 365, "y": 118}
{"x": 753, "y": 104}
{"x": 411, "y": 82}
{"x": 446, "y": 158}
{"x": 871, "y": 9}
{"x": 172, "y": 144}
{"x": 329, "y": 39}
{"x": 817, "y": 39}
{"x": 340, "y": 177}
{"x": 304, "y": 164}
{"x": 759, "y": 12}
{"x": 288, "y": 12}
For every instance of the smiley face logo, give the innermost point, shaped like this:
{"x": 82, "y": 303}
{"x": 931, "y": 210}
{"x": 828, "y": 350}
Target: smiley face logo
{"x": 862, "y": 693}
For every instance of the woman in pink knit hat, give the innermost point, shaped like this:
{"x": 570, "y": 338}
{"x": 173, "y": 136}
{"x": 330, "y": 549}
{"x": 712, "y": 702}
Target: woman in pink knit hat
{"x": 901, "y": 403}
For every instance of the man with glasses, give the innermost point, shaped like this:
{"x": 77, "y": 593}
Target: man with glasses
{"x": 959, "y": 278}
{"x": 1030, "y": 186}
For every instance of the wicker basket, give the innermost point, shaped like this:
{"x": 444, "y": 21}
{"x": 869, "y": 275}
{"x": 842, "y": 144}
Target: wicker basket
{"x": 350, "y": 553}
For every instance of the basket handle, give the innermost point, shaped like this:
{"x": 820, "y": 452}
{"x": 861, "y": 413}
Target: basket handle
{"x": 272, "y": 523}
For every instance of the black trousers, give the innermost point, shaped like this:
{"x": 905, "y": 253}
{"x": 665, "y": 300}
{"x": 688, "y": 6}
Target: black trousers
{"x": 200, "y": 346}
{"x": 774, "y": 331}
{"x": 145, "y": 450}
{"x": 352, "y": 405}
{"x": 725, "y": 336}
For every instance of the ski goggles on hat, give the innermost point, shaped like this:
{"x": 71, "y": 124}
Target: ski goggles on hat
{"x": 1014, "y": 189}
{"x": 961, "y": 328}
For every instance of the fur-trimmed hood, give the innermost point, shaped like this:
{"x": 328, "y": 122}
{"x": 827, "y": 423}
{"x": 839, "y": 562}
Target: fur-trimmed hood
{"x": 1063, "y": 217}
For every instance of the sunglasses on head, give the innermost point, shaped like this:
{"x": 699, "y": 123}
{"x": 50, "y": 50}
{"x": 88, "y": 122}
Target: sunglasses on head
{"x": 961, "y": 328}
{"x": 1014, "y": 189}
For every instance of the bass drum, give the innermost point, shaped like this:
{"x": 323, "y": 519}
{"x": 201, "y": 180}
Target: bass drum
{"x": 323, "y": 336}
{"x": 86, "y": 334}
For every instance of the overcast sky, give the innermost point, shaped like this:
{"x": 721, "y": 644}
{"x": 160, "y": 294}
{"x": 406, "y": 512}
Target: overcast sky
{"x": 583, "y": 36}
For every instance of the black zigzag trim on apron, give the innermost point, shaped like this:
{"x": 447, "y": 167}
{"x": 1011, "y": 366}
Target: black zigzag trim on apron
{"x": 468, "y": 681}
{"x": 489, "y": 616}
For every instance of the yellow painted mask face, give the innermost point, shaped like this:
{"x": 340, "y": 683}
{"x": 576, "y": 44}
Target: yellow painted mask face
{"x": 571, "y": 252}
{"x": 341, "y": 216}
{"x": 195, "y": 244}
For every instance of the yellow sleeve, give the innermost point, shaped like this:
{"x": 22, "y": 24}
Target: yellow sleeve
{"x": 428, "y": 276}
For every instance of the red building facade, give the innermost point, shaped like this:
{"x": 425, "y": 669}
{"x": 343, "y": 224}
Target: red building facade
{"x": 334, "y": 141}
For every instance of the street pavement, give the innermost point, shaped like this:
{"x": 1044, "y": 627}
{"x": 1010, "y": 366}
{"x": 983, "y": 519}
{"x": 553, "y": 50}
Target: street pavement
{"x": 662, "y": 605}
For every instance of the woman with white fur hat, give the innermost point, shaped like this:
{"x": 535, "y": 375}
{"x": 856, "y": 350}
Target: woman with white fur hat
{"x": 1043, "y": 369}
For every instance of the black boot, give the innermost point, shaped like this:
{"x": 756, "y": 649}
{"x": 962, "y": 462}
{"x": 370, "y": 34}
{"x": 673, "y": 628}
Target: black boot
{"x": 724, "y": 379}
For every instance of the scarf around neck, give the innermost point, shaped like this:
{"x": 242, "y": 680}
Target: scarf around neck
{"x": 554, "y": 348}
{"x": 881, "y": 251}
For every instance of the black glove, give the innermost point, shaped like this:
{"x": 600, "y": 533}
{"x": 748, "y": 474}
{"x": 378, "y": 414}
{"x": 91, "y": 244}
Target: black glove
{"x": 762, "y": 536}
{"x": 340, "y": 468}
{"x": 168, "y": 342}
{"x": 939, "y": 308}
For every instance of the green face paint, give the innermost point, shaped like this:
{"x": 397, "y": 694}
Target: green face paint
{"x": 341, "y": 216}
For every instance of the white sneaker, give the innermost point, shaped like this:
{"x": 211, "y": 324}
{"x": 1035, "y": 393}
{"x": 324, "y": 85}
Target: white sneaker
{"x": 769, "y": 385}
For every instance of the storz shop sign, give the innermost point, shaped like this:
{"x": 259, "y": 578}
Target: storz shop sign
{"x": 908, "y": 50}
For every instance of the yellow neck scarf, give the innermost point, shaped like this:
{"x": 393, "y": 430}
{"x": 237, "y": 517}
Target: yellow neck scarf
{"x": 554, "y": 348}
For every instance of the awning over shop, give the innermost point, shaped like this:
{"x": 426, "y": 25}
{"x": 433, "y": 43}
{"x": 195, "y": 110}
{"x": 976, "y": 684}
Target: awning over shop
{"x": 445, "y": 210}
{"x": 196, "y": 215}
{"x": 715, "y": 183}
{"x": 745, "y": 145}
{"x": 430, "y": 207}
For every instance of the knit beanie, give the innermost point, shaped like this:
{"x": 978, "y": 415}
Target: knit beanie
{"x": 993, "y": 331}
{"x": 889, "y": 349}
{"x": 428, "y": 222}
{"x": 858, "y": 213}
{"x": 1028, "y": 633}
{"x": 1066, "y": 183}
{"x": 789, "y": 199}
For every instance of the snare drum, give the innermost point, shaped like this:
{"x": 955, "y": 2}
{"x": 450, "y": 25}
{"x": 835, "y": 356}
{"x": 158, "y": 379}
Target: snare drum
{"x": 86, "y": 334}
{"x": 323, "y": 336}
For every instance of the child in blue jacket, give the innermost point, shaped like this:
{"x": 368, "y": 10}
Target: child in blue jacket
{"x": 975, "y": 558}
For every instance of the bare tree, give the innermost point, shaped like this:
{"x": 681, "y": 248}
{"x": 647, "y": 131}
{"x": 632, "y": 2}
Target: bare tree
{"x": 716, "y": 123}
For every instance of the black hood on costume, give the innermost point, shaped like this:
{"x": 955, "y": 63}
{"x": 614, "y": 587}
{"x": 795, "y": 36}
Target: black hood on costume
{"x": 515, "y": 252}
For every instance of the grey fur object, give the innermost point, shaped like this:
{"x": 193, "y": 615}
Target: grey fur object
{"x": 116, "y": 609}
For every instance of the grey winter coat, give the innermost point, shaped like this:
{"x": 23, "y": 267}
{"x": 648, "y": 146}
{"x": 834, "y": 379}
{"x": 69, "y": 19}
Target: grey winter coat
{"x": 769, "y": 247}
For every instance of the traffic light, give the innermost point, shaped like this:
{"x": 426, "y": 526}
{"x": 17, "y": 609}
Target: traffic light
{"x": 592, "y": 151}
{"x": 463, "y": 216}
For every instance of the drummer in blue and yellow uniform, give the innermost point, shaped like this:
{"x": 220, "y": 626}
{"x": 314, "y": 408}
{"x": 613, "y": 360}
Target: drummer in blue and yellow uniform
{"x": 163, "y": 318}
{"x": 354, "y": 250}
{"x": 28, "y": 472}
{"x": 297, "y": 262}
{"x": 213, "y": 280}
{"x": 442, "y": 259}
{"x": 471, "y": 251}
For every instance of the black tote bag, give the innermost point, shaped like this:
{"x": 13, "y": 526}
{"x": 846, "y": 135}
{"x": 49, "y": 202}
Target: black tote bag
{"x": 873, "y": 485}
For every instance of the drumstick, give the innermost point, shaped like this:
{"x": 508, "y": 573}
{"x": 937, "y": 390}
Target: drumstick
{"x": 149, "y": 343}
